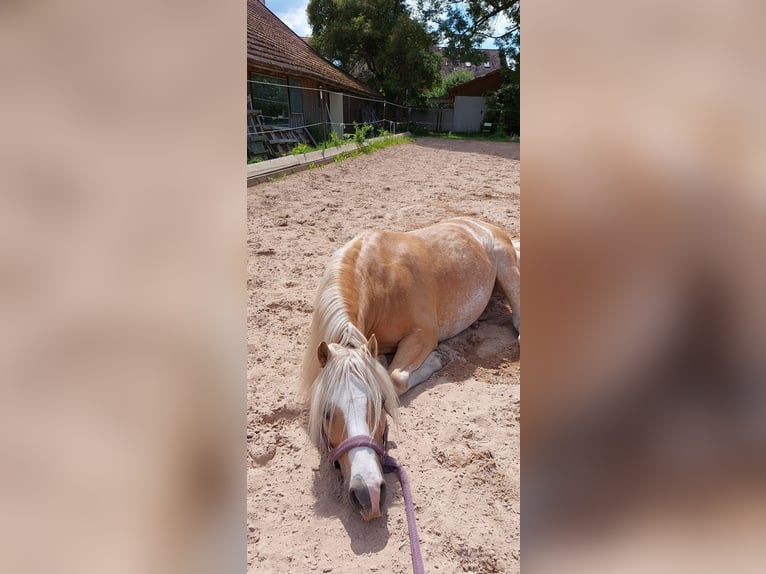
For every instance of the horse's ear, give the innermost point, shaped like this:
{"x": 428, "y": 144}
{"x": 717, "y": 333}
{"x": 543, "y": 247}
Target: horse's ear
{"x": 323, "y": 353}
{"x": 372, "y": 345}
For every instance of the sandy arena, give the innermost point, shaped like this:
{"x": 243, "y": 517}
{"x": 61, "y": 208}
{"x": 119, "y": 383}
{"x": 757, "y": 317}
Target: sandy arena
{"x": 458, "y": 433}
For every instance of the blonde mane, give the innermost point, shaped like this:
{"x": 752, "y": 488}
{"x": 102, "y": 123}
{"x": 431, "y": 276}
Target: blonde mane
{"x": 352, "y": 363}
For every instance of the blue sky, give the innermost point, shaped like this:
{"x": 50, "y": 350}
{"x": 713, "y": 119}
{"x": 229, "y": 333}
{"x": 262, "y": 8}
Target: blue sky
{"x": 293, "y": 13}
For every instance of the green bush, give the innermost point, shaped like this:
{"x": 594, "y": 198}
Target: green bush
{"x": 302, "y": 148}
{"x": 361, "y": 131}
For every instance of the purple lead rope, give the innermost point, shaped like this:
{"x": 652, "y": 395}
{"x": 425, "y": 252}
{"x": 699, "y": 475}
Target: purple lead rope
{"x": 389, "y": 465}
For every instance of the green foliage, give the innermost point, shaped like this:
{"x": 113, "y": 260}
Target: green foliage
{"x": 504, "y": 105}
{"x": 459, "y": 76}
{"x": 465, "y": 24}
{"x": 378, "y": 42}
{"x": 302, "y": 148}
{"x": 341, "y": 156}
{"x": 496, "y": 136}
{"x": 361, "y": 132}
{"x": 386, "y": 142}
{"x": 334, "y": 139}
{"x": 373, "y": 145}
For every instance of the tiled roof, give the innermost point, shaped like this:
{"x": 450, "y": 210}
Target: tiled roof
{"x": 478, "y": 86}
{"x": 492, "y": 57}
{"x": 273, "y": 47}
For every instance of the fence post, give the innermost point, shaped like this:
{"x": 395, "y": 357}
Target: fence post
{"x": 321, "y": 117}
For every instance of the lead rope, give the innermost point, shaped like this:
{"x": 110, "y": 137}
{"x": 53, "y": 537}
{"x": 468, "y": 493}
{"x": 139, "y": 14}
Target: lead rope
{"x": 390, "y": 465}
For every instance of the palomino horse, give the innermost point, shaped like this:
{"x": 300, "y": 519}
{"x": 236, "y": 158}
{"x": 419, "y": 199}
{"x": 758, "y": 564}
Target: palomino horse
{"x": 390, "y": 292}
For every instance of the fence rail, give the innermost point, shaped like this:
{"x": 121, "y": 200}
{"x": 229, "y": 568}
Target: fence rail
{"x": 270, "y": 136}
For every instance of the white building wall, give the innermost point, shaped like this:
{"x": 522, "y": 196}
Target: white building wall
{"x": 469, "y": 113}
{"x": 336, "y": 113}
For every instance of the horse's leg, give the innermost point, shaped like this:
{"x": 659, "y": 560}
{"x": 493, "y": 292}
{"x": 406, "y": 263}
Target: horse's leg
{"x": 415, "y": 360}
{"x": 509, "y": 276}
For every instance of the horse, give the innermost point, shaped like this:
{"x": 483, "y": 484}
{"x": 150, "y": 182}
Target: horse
{"x": 393, "y": 292}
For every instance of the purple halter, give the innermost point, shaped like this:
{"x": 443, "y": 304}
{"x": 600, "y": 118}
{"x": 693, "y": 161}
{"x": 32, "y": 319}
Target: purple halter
{"x": 389, "y": 465}
{"x": 356, "y": 442}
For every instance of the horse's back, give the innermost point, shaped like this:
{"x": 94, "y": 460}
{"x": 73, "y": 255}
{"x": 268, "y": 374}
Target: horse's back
{"x": 473, "y": 250}
{"x": 439, "y": 277}
{"x": 464, "y": 228}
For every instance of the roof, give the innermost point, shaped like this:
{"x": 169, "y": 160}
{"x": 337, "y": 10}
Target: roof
{"x": 478, "y": 86}
{"x": 273, "y": 47}
{"x": 478, "y": 69}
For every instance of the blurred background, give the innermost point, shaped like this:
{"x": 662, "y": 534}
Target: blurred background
{"x": 122, "y": 290}
{"x": 644, "y": 405}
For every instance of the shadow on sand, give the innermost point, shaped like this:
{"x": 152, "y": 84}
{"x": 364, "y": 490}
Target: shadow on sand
{"x": 505, "y": 150}
{"x": 330, "y": 500}
{"x": 495, "y": 328}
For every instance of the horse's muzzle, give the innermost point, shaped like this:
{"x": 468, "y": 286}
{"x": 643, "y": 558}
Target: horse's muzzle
{"x": 367, "y": 500}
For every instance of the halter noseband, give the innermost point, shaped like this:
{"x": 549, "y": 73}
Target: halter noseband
{"x": 388, "y": 464}
{"x": 381, "y": 448}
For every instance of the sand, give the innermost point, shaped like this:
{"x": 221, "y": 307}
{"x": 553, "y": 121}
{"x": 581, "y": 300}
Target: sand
{"x": 458, "y": 433}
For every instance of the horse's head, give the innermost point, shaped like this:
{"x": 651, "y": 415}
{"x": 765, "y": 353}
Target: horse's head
{"x": 350, "y": 399}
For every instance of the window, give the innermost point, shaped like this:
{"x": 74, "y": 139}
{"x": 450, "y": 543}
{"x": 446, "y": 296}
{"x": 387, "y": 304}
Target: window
{"x": 270, "y": 95}
{"x": 296, "y": 96}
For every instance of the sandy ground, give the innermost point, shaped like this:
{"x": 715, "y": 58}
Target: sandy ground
{"x": 458, "y": 435}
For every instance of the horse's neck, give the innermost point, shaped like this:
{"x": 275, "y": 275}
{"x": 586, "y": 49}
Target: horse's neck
{"x": 350, "y": 335}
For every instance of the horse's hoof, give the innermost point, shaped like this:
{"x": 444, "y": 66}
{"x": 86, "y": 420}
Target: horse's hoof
{"x": 400, "y": 379}
{"x": 440, "y": 358}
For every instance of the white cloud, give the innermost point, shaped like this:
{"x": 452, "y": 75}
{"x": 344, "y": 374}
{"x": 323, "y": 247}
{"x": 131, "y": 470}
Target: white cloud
{"x": 295, "y": 19}
{"x": 501, "y": 24}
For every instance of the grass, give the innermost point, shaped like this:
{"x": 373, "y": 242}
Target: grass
{"x": 382, "y": 140}
{"x": 494, "y": 137}
{"x": 372, "y": 146}
{"x": 363, "y": 146}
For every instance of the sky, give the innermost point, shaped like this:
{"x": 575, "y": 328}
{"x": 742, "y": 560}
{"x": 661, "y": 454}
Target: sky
{"x": 293, "y": 13}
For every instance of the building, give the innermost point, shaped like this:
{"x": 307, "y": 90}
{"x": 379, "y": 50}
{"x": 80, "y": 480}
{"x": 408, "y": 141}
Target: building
{"x": 290, "y": 84}
{"x": 490, "y": 63}
{"x": 470, "y": 102}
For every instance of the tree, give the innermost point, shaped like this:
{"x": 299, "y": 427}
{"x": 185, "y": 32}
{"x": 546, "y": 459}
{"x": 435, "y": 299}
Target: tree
{"x": 378, "y": 42}
{"x": 459, "y": 76}
{"x": 465, "y": 24}
{"x": 503, "y": 105}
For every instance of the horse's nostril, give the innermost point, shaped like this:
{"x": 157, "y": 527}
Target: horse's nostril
{"x": 336, "y": 464}
{"x": 382, "y": 494}
{"x": 355, "y": 501}
{"x": 360, "y": 497}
